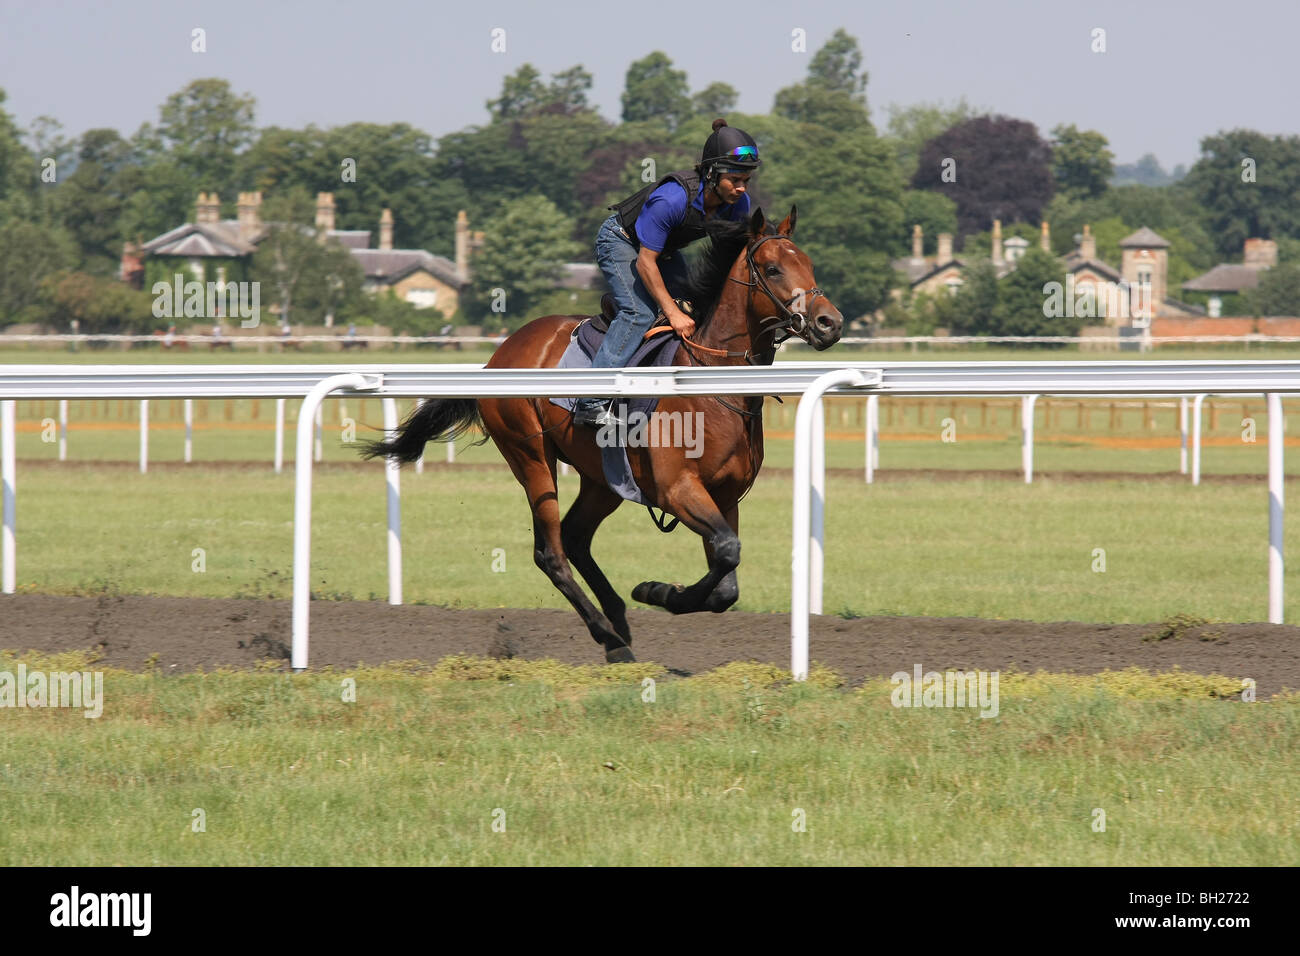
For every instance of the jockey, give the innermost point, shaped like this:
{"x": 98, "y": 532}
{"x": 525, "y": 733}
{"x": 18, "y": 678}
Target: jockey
{"x": 635, "y": 248}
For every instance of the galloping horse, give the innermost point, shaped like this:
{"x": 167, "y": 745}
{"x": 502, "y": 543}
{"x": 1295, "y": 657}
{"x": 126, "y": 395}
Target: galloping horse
{"x": 749, "y": 272}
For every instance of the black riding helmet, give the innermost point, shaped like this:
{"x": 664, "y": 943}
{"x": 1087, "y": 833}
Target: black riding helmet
{"x": 729, "y": 150}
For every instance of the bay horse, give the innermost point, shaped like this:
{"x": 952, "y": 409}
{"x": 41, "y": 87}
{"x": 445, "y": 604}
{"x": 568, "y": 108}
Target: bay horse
{"x": 749, "y": 271}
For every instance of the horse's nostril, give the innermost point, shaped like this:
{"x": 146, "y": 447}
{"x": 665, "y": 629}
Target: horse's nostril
{"x": 825, "y": 321}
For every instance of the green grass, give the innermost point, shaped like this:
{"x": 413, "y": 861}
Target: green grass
{"x": 989, "y": 548}
{"x": 575, "y": 768}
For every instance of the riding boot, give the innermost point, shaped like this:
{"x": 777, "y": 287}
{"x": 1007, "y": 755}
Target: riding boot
{"x": 595, "y": 413}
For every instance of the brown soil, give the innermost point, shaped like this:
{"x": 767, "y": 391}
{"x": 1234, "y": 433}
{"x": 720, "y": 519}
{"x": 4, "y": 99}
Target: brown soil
{"x": 204, "y": 633}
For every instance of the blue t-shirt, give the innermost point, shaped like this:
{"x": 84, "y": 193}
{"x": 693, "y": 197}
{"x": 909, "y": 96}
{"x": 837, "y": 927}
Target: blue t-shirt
{"x": 665, "y": 209}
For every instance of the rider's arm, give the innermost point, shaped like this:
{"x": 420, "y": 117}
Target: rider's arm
{"x": 647, "y": 266}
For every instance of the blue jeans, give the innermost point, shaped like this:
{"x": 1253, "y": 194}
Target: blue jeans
{"x": 616, "y": 255}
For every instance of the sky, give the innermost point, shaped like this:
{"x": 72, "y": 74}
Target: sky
{"x": 1173, "y": 71}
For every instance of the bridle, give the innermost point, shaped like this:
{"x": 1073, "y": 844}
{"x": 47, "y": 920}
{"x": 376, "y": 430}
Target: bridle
{"x": 789, "y": 321}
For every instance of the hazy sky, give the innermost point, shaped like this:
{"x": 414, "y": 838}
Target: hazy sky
{"x": 1172, "y": 71}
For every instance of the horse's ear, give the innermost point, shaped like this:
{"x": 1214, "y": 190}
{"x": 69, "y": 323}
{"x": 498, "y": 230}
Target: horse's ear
{"x": 787, "y": 227}
{"x": 757, "y": 222}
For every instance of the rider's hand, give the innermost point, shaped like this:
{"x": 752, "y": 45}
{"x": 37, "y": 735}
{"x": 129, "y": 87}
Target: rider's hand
{"x": 682, "y": 323}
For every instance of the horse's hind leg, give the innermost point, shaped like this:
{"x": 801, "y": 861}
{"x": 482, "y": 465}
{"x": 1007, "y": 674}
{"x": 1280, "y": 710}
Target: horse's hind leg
{"x": 728, "y": 589}
{"x": 593, "y": 505}
{"x": 697, "y": 510}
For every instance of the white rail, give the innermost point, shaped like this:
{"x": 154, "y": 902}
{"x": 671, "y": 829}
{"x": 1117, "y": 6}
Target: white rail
{"x": 811, "y": 380}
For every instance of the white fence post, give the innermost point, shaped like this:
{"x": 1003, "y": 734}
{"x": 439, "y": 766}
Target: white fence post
{"x": 320, "y": 448}
{"x": 1182, "y": 434}
{"x": 1276, "y": 490}
{"x": 302, "y": 506}
{"x": 8, "y": 476}
{"x": 279, "y": 435}
{"x": 809, "y": 405}
{"x": 873, "y": 437}
{"x": 1196, "y": 439}
{"x": 817, "y": 563}
{"x": 144, "y": 435}
{"x": 392, "y": 471}
{"x": 1027, "y": 436}
{"x": 419, "y": 462}
{"x": 189, "y": 430}
{"x": 63, "y": 429}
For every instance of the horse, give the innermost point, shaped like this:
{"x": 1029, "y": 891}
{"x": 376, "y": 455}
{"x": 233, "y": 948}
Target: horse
{"x": 749, "y": 270}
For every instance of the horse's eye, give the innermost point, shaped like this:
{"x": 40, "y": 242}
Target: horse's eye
{"x": 773, "y": 272}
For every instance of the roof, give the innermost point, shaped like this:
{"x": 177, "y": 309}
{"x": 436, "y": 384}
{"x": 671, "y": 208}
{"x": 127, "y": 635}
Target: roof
{"x": 1225, "y": 277}
{"x": 392, "y": 265}
{"x": 218, "y": 239}
{"x": 919, "y": 269}
{"x": 352, "y": 238}
{"x": 1077, "y": 264}
{"x": 1144, "y": 238}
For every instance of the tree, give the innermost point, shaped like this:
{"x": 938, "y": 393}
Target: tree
{"x": 28, "y": 253}
{"x": 976, "y": 301}
{"x": 716, "y": 99}
{"x": 654, "y": 90}
{"x": 1147, "y": 171}
{"x": 307, "y": 278}
{"x": 89, "y": 203}
{"x": 1023, "y": 299}
{"x": 932, "y": 212}
{"x": 100, "y": 305}
{"x": 521, "y": 92}
{"x": 18, "y": 169}
{"x": 205, "y": 126}
{"x": 911, "y": 127}
{"x": 834, "y": 94}
{"x": 1082, "y": 164}
{"x": 520, "y": 259}
{"x": 1248, "y": 185}
{"x": 1278, "y": 292}
{"x": 993, "y": 167}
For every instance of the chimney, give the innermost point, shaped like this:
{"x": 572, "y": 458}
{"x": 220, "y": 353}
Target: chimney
{"x": 918, "y": 253}
{"x": 201, "y": 208}
{"x": 250, "y": 218}
{"x": 1088, "y": 244}
{"x": 214, "y": 208}
{"x": 386, "y": 230}
{"x": 997, "y": 242}
{"x": 1046, "y": 239}
{"x": 324, "y": 213}
{"x": 1260, "y": 254}
{"x": 945, "y": 249}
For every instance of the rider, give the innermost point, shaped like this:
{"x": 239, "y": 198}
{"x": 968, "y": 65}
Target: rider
{"x": 635, "y": 248}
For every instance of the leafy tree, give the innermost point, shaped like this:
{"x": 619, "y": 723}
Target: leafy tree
{"x": 1147, "y": 171}
{"x": 521, "y": 92}
{"x": 654, "y": 90}
{"x": 205, "y": 126}
{"x": 834, "y": 94}
{"x": 716, "y": 99}
{"x": 100, "y": 305}
{"x": 18, "y": 168}
{"x": 28, "y": 253}
{"x": 1082, "y": 163}
{"x": 977, "y": 301}
{"x": 1278, "y": 292}
{"x": 1236, "y": 208}
{"x": 523, "y": 250}
{"x": 305, "y": 277}
{"x": 1023, "y": 302}
{"x": 933, "y": 212}
{"x": 568, "y": 91}
{"x": 1000, "y": 169}
{"x": 911, "y": 127}
{"x": 90, "y": 202}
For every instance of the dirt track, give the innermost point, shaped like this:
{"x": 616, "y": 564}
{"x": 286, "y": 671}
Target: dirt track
{"x": 202, "y": 634}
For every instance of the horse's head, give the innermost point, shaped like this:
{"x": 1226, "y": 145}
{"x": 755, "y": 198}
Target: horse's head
{"x": 784, "y": 296}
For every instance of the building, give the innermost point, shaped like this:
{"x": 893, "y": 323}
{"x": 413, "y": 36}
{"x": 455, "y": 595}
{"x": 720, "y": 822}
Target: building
{"x": 1136, "y": 290}
{"x": 210, "y": 249}
{"x": 1227, "y": 281}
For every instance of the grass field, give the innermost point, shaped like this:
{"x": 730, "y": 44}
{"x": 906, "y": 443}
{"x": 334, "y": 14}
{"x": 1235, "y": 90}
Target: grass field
{"x": 524, "y": 763}
{"x": 510, "y": 763}
{"x": 989, "y": 548}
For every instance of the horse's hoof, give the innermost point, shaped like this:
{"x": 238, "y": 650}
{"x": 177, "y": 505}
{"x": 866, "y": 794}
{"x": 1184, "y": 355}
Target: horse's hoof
{"x": 642, "y": 592}
{"x": 619, "y": 655}
{"x": 655, "y": 592}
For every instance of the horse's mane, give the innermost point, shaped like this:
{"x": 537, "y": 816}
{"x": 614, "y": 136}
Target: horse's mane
{"x": 708, "y": 261}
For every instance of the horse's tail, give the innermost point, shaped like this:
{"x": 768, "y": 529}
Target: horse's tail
{"x": 437, "y": 419}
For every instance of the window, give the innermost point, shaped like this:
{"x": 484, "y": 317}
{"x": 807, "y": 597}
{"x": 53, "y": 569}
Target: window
{"x": 422, "y": 298}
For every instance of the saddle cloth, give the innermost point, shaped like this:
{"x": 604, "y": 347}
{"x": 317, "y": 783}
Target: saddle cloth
{"x": 657, "y": 352}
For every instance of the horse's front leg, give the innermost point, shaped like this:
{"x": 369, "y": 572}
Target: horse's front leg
{"x": 717, "y": 590}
